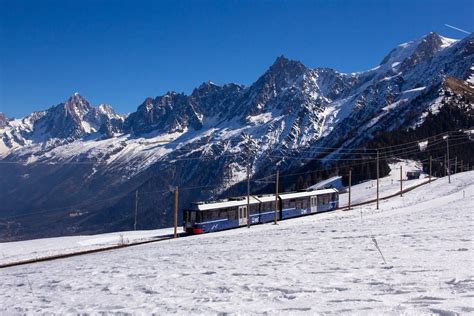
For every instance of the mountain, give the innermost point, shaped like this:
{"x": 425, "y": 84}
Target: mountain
{"x": 3, "y": 120}
{"x": 81, "y": 164}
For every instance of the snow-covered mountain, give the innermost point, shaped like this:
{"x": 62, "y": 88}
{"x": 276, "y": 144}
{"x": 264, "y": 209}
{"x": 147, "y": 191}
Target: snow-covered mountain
{"x": 89, "y": 159}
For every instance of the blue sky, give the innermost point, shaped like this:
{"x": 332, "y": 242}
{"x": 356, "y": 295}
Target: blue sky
{"x": 120, "y": 52}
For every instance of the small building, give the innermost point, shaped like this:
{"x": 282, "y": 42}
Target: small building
{"x": 412, "y": 175}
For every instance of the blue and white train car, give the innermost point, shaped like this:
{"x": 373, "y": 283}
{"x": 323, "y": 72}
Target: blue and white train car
{"x": 204, "y": 217}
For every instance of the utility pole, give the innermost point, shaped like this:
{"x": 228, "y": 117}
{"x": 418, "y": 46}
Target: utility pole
{"x": 444, "y": 166}
{"x": 462, "y": 166}
{"x": 136, "y": 210}
{"x": 350, "y": 185}
{"x": 449, "y": 165}
{"x": 429, "y": 181}
{"x": 401, "y": 181}
{"x": 276, "y": 198}
{"x": 248, "y": 188}
{"x": 378, "y": 175}
{"x": 176, "y": 213}
{"x": 456, "y": 164}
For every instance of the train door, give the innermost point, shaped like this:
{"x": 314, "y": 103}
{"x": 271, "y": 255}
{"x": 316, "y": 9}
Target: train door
{"x": 314, "y": 204}
{"x": 242, "y": 215}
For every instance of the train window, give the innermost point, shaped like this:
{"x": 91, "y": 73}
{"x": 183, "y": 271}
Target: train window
{"x": 292, "y": 203}
{"x": 326, "y": 199}
{"x": 297, "y": 204}
{"x": 304, "y": 203}
{"x": 190, "y": 216}
{"x": 254, "y": 209}
{"x": 269, "y": 206}
{"x": 210, "y": 215}
{"x": 232, "y": 213}
{"x": 223, "y": 213}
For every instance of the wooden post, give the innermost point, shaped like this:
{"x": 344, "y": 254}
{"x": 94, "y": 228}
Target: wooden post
{"x": 456, "y": 164}
{"x": 429, "y": 181}
{"x": 444, "y": 166}
{"x": 275, "y": 218}
{"x": 136, "y": 210}
{"x": 462, "y": 165}
{"x": 449, "y": 164}
{"x": 176, "y": 213}
{"x": 350, "y": 185}
{"x": 248, "y": 192}
{"x": 378, "y": 175}
{"x": 401, "y": 181}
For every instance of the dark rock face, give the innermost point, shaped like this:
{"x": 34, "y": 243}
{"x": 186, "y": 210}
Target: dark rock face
{"x": 427, "y": 48}
{"x": 170, "y": 113}
{"x": 216, "y": 101}
{"x": 64, "y": 120}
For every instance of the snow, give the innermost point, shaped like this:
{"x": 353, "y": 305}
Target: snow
{"x": 446, "y": 42}
{"x": 422, "y": 145}
{"x": 87, "y": 127}
{"x": 261, "y": 118}
{"x": 471, "y": 77}
{"x": 414, "y": 90}
{"x": 46, "y": 247}
{"x": 333, "y": 182}
{"x": 393, "y": 105}
{"x": 327, "y": 263}
{"x": 388, "y": 185}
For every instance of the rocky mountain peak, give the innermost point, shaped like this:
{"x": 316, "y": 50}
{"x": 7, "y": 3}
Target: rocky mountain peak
{"x": 430, "y": 44}
{"x": 169, "y": 113}
{"x": 3, "y": 120}
{"x": 283, "y": 65}
{"x": 77, "y": 105}
{"x": 426, "y": 48}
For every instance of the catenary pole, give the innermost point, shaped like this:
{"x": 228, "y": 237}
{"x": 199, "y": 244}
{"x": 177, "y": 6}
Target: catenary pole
{"x": 275, "y": 218}
{"x": 176, "y": 200}
{"x": 445, "y": 166}
{"x": 248, "y": 189}
{"x": 431, "y": 162}
{"x": 350, "y": 187}
{"x": 401, "y": 181}
{"x": 136, "y": 210}
{"x": 449, "y": 165}
{"x": 378, "y": 175}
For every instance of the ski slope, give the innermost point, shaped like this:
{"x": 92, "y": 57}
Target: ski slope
{"x": 326, "y": 263}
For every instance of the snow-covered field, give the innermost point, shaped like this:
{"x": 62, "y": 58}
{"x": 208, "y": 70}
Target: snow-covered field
{"x": 41, "y": 248}
{"x": 326, "y": 263}
{"x": 387, "y": 186}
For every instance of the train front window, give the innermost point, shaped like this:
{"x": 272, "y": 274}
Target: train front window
{"x": 191, "y": 216}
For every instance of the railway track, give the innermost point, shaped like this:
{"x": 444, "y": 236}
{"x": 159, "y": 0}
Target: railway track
{"x": 167, "y": 237}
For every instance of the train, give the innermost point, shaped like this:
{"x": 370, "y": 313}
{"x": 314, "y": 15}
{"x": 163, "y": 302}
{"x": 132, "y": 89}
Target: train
{"x": 211, "y": 216}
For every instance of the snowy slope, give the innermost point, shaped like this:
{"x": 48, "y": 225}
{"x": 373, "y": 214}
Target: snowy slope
{"x": 388, "y": 185}
{"x": 318, "y": 264}
{"x": 39, "y": 248}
